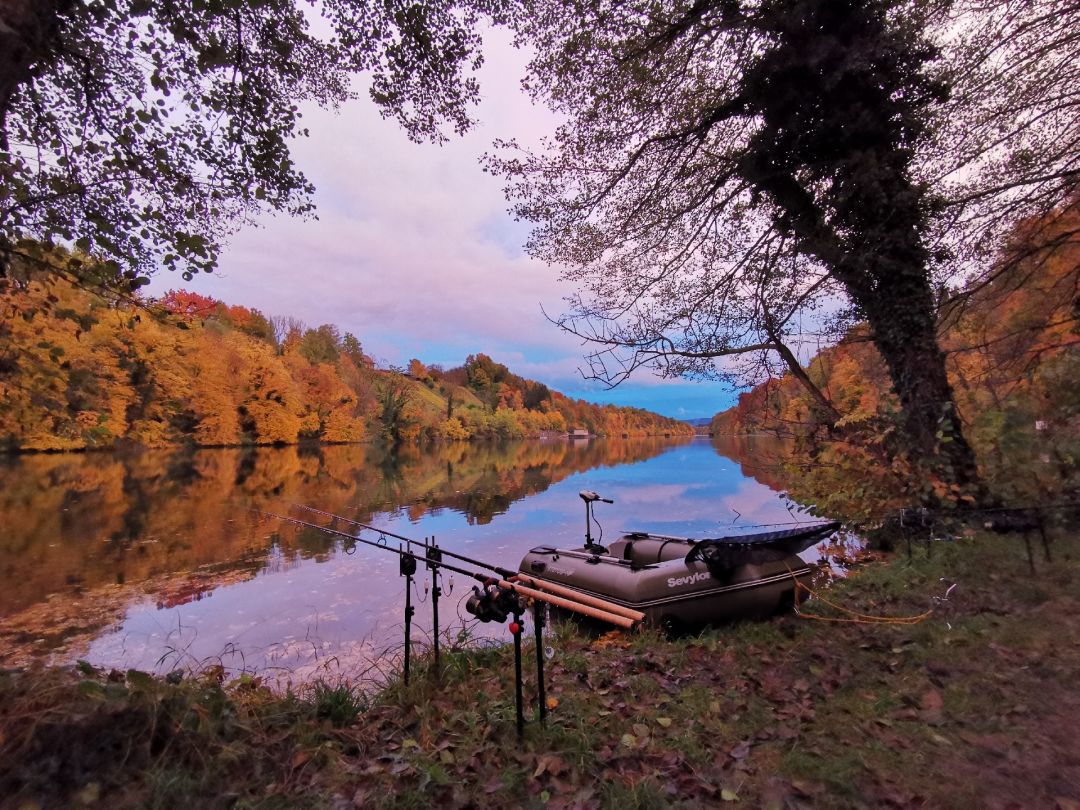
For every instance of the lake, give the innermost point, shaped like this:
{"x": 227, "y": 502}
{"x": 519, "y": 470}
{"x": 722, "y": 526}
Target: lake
{"x": 159, "y": 560}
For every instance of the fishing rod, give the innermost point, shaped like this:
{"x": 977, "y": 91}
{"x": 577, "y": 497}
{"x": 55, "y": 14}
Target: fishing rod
{"x": 551, "y": 587}
{"x": 486, "y": 605}
{"x": 503, "y": 572}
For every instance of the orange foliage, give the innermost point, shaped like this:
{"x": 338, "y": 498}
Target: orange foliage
{"x": 93, "y": 374}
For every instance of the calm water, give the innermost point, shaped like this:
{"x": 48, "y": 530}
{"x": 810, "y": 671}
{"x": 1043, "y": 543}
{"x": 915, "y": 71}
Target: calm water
{"x": 157, "y": 561}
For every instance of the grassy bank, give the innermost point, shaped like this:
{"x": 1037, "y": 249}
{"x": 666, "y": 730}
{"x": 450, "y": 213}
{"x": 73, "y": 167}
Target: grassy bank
{"x": 974, "y": 707}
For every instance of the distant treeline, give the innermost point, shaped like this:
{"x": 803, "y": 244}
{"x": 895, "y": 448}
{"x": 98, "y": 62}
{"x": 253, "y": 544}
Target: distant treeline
{"x": 78, "y": 371}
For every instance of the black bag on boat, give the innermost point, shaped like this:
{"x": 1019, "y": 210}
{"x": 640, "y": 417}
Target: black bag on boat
{"x": 721, "y": 554}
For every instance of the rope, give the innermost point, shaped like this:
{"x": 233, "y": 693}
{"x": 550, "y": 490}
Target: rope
{"x": 852, "y": 617}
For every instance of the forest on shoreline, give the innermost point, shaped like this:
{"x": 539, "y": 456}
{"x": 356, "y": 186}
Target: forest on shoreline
{"x": 79, "y": 371}
{"x": 1012, "y": 347}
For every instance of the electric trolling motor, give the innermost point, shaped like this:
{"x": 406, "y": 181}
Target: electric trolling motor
{"x": 590, "y": 498}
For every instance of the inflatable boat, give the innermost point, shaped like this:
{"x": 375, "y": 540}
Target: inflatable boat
{"x": 679, "y": 581}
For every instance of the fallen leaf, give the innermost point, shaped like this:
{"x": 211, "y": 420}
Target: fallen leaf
{"x": 89, "y": 794}
{"x": 741, "y": 751}
{"x": 663, "y": 721}
{"x": 931, "y": 701}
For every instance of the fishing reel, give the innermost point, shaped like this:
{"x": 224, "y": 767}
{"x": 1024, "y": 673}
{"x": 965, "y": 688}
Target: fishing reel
{"x": 493, "y": 604}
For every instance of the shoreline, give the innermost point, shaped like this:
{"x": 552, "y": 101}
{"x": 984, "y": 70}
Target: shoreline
{"x": 135, "y": 448}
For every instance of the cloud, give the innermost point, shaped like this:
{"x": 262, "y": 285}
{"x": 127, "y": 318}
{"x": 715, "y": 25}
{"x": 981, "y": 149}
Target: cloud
{"x": 413, "y": 250}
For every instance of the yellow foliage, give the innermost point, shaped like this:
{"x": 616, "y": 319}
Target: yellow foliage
{"x": 79, "y": 372}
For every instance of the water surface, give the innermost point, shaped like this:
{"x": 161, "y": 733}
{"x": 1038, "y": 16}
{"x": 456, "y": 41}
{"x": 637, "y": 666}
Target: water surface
{"x": 158, "y": 560}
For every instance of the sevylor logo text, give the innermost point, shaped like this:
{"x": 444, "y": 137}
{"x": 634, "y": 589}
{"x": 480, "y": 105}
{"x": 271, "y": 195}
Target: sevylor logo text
{"x": 675, "y": 582}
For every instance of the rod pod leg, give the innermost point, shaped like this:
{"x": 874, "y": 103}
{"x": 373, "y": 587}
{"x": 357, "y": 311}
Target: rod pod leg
{"x": 407, "y": 567}
{"x": 541, "y": 691}
{"x": 434, "y": 557}
{"x": 515, "y": 630}
{"x": 1042, "y": 534}
{"x": 408, "y": 624}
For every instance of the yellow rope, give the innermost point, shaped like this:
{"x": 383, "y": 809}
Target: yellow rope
{"x": 856, "y": 618}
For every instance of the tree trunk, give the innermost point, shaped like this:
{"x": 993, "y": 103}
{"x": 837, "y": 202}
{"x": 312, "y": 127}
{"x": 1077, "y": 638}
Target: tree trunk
{"x": 901, "y": 315}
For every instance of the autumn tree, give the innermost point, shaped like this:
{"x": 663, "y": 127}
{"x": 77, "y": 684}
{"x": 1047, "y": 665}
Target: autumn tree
{"x": 350, "y": 346}
{"x": 726, "y": 166}
{"x": 144, "y": 131}
{"x": 321, "y": 345}
{"x": 536, "y": 394}
{"x": 394, "y": 398}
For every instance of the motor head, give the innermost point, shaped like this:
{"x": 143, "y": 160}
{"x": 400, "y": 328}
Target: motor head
{"x": 589, "y": 496}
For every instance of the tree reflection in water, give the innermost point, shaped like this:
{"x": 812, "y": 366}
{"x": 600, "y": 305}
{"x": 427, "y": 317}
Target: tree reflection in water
{"x": 154, "y": 560}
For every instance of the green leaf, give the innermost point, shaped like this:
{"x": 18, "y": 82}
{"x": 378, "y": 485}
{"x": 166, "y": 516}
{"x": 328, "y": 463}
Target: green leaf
{"x": 139, "y": 679}
{"x": 91, "y": 688}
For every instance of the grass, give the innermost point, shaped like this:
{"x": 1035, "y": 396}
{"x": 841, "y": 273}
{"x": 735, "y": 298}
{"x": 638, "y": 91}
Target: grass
{"x": 974, "y": 706}
{"x": 341, "y": 704}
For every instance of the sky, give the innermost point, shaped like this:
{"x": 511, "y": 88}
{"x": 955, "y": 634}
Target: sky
{"x": 414, "y": 252}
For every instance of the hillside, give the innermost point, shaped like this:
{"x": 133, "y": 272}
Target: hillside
{"x": 80, "y": 372}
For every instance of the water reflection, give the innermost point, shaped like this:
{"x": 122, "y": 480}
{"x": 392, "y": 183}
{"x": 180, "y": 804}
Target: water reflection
{"x": 158, "y": 560}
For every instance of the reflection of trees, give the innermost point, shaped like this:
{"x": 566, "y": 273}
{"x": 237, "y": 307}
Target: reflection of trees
{"x": 766, "y": 459}
{"x": 840, "y": 479}
{"x": 79, "y": 521}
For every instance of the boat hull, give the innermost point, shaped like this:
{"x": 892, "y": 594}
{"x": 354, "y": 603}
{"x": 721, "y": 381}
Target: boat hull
{"x": 678, "y": 581}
